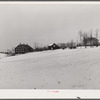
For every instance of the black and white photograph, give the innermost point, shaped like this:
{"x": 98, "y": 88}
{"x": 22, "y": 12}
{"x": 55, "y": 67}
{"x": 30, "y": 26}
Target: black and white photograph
{"x": 50, "y": 46}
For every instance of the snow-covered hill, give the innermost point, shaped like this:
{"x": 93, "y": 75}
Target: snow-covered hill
{"x": 59, "y": 69}
{"x": 2, "y": 55}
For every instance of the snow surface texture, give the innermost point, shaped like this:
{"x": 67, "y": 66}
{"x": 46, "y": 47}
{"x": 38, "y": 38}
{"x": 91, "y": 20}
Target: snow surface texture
{"x": 2, "y": 55}
{"x": 58, "y": 69}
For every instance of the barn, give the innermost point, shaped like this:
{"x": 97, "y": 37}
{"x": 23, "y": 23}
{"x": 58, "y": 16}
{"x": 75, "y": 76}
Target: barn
{"x": 53, "y": 46}
{"x": 23, "y": 48}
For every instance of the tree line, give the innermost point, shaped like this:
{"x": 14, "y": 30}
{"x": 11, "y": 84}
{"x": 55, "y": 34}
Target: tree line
{"x": 85, "y": 39}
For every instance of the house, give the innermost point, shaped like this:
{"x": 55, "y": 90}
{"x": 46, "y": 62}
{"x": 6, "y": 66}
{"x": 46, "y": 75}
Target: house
{"x": 23, "y": 48}
{"x": 92, "y": 41}
{"x": 53, "y": 46}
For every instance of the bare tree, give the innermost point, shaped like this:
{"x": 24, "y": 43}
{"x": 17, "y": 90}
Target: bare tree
{"x": 90, "y": 38}
{"x": 96, "y": 33}
{"x": 36, "y": 45}
{"x": 85, "y": 36}
{"x": 80, "y": 35}
{"x": 97, "y": 37}
{"x": 91, "y": 34}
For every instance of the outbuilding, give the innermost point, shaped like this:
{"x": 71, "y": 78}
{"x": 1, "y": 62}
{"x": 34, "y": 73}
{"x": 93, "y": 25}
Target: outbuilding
{"x": 53, "y": 46}
{"x": 92, "y": 41}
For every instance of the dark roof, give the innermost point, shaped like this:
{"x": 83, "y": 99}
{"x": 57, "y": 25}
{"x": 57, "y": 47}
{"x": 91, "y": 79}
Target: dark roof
{"x": 53, "y": 44}
{"x": 24, "y": 45}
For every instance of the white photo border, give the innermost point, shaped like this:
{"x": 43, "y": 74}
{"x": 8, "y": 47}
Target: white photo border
{"x": 49, "y": 93}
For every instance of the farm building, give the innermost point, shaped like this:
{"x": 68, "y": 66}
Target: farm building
{"x": 53, "y": 46}
{"x": 92, "y": 41}
{"x": 23, "y": 48}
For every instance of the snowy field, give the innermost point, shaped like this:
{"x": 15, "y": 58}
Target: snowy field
{"x": 2, "y": 55}
{"x": 59, "y": 69}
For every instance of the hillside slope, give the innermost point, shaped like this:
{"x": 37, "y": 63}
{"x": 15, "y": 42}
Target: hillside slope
{"x": 2, "y": 55}
{"x": 59, "y": 69}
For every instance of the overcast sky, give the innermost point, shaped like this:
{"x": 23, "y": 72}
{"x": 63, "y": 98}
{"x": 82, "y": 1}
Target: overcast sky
{"x": 45, "y": 23}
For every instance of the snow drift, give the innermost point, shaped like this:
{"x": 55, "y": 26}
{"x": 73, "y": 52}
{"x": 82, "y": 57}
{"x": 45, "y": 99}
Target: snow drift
{"x": 58, "y": 69}
{"x": 2, "y": 55}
